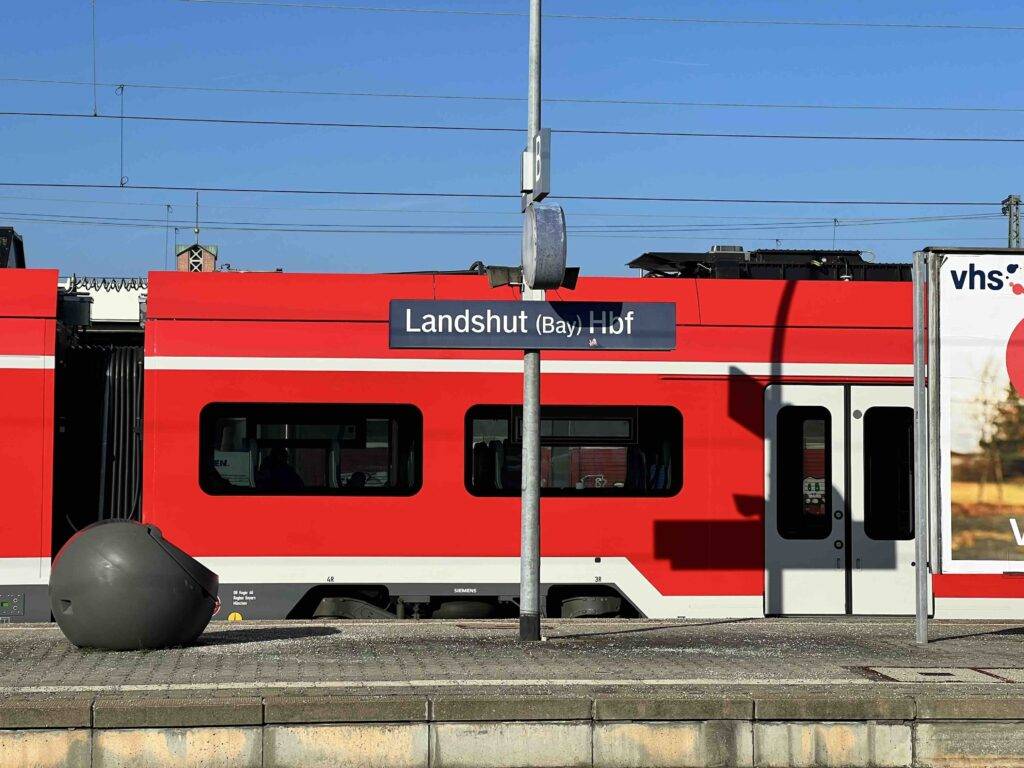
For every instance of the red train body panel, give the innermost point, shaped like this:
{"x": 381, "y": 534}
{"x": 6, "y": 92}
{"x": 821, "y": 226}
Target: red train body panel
{"x": 324, "y": 338}
{"x": 696, "y": 546}
{"x": 27, "y": 338}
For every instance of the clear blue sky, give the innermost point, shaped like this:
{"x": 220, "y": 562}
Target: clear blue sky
{"x": 179, "y": 43}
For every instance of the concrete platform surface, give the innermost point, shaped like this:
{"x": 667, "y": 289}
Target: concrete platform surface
{"x": 789, "y": 657}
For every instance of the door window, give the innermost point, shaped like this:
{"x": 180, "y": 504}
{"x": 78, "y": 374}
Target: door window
{"x": 804, "y": 472}
{"x": 888, "y": 473}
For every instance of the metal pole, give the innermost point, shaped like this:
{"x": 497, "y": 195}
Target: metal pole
{"x": 529, "y": 573}
{"x": 920, "y": 452}
{"x": 934, "y": 394}
{"x": 1011, "y": 209}
{"x": 529, "y": 548}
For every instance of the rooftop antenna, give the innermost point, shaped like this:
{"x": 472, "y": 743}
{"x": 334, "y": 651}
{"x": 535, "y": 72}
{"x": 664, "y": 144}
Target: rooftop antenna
{"x": 196, "y": 230}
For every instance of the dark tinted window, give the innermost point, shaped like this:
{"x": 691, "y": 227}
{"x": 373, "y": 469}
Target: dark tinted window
{"x": 585, "y": 451}
{"x": 804, "y": 472}
{"x": 283, "y": 450}
{"x": 888, "y": 473}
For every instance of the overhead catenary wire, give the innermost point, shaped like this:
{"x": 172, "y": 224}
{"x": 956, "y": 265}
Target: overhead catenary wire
{"x": 514, "y": 99}
{"x": 511, "y": 130}
{"x": 785, "y": 223}
{"x": 498, "y": 196}
{"x": 576, "y": 213}
{"x": 299, "y": 230}
{"x": 617, "y": 18}
{"x": 775, "y": 226}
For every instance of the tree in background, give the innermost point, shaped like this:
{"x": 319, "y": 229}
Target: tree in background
{"x": 987, "y": 404}
{"x": 1005, "y": 442}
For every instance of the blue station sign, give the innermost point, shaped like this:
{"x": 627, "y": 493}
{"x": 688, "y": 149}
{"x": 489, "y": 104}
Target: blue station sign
{"x": 532, "y": 325}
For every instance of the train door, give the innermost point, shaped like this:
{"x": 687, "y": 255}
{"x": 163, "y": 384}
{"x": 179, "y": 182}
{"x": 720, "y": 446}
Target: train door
{"x": 882, "y": 499}
{"x": 838, "y": 500}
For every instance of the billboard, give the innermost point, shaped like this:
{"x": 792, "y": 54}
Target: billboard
{"x": 981, "y": 341}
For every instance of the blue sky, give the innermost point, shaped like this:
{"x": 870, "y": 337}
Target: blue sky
{"x": 231, "y": 46}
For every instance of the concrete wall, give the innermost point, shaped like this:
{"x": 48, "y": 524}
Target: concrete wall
{"x": 510, "y": 732}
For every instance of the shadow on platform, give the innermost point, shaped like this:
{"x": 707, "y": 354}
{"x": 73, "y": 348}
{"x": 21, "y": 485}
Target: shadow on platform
{"x": 262, "y": 634}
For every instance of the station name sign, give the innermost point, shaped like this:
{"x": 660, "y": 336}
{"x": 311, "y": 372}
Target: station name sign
{"x": 533, "y": 325}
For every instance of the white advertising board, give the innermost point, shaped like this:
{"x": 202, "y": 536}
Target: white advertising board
{"x": 981, "y": 337}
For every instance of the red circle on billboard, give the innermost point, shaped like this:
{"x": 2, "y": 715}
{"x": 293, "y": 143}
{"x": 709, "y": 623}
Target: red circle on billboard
{"x": 1015, "y": 357}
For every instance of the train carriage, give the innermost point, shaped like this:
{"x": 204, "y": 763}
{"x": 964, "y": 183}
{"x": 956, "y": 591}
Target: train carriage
{"x": 762, "y": 467}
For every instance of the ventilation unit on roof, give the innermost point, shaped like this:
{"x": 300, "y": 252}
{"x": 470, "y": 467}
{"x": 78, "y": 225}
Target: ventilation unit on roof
{"x": 727, "y": 249}
{"x": 12, "y": 249}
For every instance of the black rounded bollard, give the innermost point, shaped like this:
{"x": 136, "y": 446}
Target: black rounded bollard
{"x": 119, "y": 585}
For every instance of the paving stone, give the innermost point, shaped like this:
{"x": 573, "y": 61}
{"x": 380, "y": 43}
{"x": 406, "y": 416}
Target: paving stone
{"x": 879, "y": 707}
{"x": 511, "y": 745}
{"x": 723, "y": 658}
{"x": 970, "y": 707}
{"x": 48, "y": 712}
{"x": 673, "y": 708}
{"x": 504, "y": 708}
{"x": 347, "y": 746}
{"x": 157, "y": 711}
{"x": 344, "y": 709}
{"x": 713, "y": 743}
{"x": 1013, "y": 675}
{"x": 934, "y": 675}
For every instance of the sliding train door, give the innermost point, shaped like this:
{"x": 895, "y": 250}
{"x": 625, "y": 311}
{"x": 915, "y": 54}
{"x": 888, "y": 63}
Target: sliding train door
{"x": 839, "y": 522}
{"x": 805, "y": 500}
{"x": 882, "y": 500}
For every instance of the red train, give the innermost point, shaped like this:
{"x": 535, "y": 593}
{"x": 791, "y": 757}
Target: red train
{"x": 763, "y": 467}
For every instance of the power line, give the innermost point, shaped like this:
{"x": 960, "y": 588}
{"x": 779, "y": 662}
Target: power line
{"x": 776, "y": 226}
{"x": 608, "y": 17}
{"x": 299, "y": 230}
{"x": 515, "y": 99}
{"x": 497, "y": 196}
{"x": 266, "y": 190}
{"x": 575, "y": 214}
{"x": 502, "y": 129}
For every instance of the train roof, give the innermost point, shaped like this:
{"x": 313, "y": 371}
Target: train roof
{"x": 770, "y": 264}
{"x": 306, "y": 297}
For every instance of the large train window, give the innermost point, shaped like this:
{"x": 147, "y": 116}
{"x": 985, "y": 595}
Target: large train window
{"x": 585, "y": 451}
{"x": 804, "y": 472}
{"x": 316, "y": 450}
{"x": 888, "y": 473}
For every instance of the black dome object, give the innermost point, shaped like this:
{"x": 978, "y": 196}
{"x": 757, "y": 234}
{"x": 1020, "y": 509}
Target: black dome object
{"x": 119, "y": 585}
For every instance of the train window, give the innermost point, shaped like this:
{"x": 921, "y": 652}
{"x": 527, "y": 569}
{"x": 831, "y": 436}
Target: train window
{"x": 888, "y": 473}
{"x": 805, "y": 472}
{"x": 314, "y": 450}
{"x": 585, "y": 451}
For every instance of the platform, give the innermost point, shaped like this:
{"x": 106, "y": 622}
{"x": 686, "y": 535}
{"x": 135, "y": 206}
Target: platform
{"x": 467, "y": 693}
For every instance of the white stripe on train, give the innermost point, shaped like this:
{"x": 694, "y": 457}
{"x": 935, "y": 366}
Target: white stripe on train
{"x": 26, "y": 362}
{"x": 465, "y": 571}
{"x": 445, "y": 365}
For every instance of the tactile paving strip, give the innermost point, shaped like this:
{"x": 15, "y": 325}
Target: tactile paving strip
{"x": 938, "y": 675}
